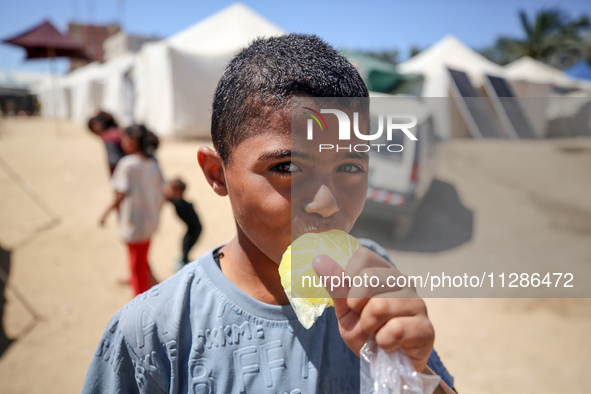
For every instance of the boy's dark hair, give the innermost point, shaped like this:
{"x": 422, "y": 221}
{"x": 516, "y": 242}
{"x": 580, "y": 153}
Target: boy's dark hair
{"x": 105, "y": 119}
{"x": 178, "y": 184}
{"x": 262, "y": 78}
{"x": 147, "y": 141}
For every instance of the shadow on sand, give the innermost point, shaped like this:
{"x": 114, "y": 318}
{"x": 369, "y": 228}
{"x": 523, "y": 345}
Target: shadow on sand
{"x": 4, "y": 272}
{"x": 441, "y": 222}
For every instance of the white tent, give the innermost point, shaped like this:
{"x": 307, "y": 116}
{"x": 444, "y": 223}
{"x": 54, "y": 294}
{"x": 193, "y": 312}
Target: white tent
{"x": 534, "y": 71}
{"x": 175, "y": 78}
{"x": 118, "y": 91}
{"x": 74, "y": 96}
{"x": 449, "y": 52}
{"x": 54, "y": 97}
{"x": 21, "y": 79}
{"x": 534, "y": 82}
{"x": 84, "y": 91}
{"x": 432, "y": 63}
{"x": 81, "y": 93}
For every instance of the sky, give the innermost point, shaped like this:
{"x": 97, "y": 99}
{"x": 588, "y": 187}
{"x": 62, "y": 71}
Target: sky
{"x": 370, "y": 25}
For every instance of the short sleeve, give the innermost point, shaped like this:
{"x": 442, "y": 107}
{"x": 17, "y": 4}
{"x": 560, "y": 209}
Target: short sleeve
{"x": 115, "y": 368}
{"x": 120, "y": 178}
{"x": 112, "y": 367}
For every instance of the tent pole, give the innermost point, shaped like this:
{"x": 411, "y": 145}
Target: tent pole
{"x": 52, "y": 72}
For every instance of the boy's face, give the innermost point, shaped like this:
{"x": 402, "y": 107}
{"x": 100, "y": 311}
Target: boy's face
{"x": 281, "y": 186}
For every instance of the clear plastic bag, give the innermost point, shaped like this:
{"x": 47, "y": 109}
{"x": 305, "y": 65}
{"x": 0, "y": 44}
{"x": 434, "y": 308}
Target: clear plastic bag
{"x": 383, "y": 373}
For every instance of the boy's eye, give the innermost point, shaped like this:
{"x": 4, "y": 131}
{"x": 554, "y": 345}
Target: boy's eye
{"x": 285, "y": 168}
{"x": 350, "y": 168}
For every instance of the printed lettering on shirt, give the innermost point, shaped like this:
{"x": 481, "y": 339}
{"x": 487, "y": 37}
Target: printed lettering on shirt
{"x": 140, "y": 375}
{"x": 150, "y": 362}
{"x": 200, "y": 372}
{"x": 109, "y": 353}
{"x": 172, "y": 311}
{"x": 271, "y": 359}
{"x": 226, "y": 335}
{"x": 267, "y": 360}
{"x": 153, "y": 292}
{"x": 103, "y": 348}
{"x": 221, "y": 310}
{"x": 172, "y": 350}
{"x": 307, "y": 365}
{"x": 145, "y": 324}
{"x": 245, "y": 364}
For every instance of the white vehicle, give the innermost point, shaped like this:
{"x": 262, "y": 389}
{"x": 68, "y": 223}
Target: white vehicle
{"x": 398, "y": 181}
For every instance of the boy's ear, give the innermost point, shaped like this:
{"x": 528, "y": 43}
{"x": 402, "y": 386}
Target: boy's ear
{"x": 211, "y": 164}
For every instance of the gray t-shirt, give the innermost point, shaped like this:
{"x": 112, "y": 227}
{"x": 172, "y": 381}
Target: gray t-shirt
{"x": 198, "y": 333}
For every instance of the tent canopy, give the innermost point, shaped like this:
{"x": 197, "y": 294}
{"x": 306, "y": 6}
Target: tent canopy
{"x": 379, "y": 75}
{"x": 175, "y": 78}
{"x": 45, "y": 41}
{"x": 433, "y": 64}
{"x": 531, "y": 70}
{"x": 224, "y": 32}
{"x": 448, "y": 52}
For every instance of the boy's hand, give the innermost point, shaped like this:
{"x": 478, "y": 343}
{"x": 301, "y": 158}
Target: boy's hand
{"x": 395, "y": 317}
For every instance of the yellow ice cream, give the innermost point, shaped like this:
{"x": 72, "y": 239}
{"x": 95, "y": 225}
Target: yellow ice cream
{"x": 308, "y": 301}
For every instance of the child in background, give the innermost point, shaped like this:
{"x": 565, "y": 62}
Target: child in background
{"x": 185, "y": 211}
{"x": 139, "y": 193}
{"x": 104, "y": 126}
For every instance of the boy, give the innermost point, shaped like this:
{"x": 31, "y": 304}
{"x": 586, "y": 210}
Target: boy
{"x": 185, "y": 211}
{"x": 224, "y": 323}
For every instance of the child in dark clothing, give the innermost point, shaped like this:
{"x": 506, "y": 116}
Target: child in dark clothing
{"x": 186, "y": 212}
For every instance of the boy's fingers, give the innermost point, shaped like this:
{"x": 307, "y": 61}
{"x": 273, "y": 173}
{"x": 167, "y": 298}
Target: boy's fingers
{"x": 365, "y": 258}
{"x": 379, "y": 311}
{"x": 406, "y": 332}
{"x": 327, "y": 267}
{"x": 414, "y": 335}
{"x": 349, "y": 326}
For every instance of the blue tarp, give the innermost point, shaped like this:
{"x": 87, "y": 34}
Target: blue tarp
{"x": 580, "y": 70}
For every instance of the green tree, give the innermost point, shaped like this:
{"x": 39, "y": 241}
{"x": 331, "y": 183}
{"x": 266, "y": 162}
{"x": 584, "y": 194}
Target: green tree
{"x": 388, "y": 55}
{"x": 548, "y": 33}
{"x": 414, "y": 50}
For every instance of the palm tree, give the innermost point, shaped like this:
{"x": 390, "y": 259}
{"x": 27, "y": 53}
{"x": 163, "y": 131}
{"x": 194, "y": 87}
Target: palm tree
{"x": 550, "y": 33}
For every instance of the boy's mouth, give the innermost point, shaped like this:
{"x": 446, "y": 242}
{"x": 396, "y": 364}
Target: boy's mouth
{"x": 318, "y": 227}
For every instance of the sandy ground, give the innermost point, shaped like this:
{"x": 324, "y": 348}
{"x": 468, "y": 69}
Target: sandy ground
{"x": 501, "y": 201}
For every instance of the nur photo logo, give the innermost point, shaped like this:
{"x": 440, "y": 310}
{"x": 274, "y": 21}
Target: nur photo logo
{"x": 390, "y": 123}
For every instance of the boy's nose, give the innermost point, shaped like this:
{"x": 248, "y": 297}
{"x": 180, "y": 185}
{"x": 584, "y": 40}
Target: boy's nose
{"x": 324, "y": 203}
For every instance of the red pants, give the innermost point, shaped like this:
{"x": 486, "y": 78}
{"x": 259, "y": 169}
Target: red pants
{"x": 141, "y": 276}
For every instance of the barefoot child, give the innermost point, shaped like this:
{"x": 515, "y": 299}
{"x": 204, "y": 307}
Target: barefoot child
{"x": 224, "y": 323}
{"x": 139, "y": 194}
{"x": 185, "y": 211}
